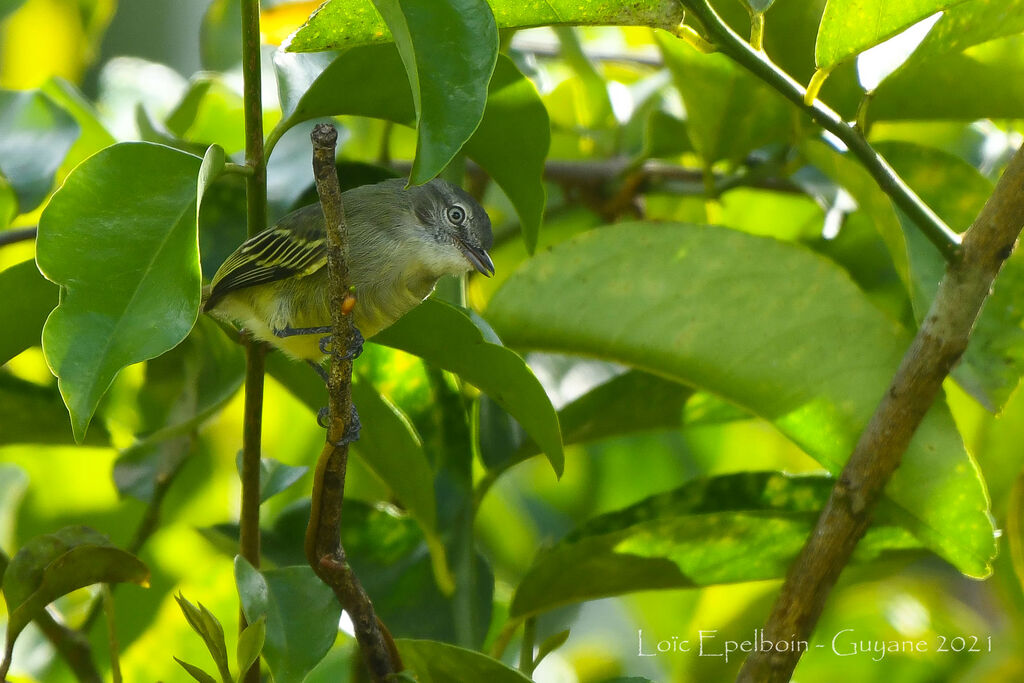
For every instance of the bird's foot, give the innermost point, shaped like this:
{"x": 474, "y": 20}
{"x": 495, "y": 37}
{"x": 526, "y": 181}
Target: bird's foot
{"x": 351, "y": 429}
{"x": 294, "y": 331}
{"x": 355, "y": 347}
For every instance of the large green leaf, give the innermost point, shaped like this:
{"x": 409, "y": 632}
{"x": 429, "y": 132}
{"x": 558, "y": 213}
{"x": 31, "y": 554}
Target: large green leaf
{"x": 120, "y": 237}
{"x": 435, "y": 662}
{"x": 729, "y": 111}
{"x": 26, "y": 312}
{"x": 510, "y": 143}
{"x": 339, "y": 24}
{"x": 971, "y": 23}
{"x": 35, "y": 135}
{"x": 986, "y": 81}
{"x": 849, "y": 27}
{"x": 740, "y": 527}
{"x": 445, "y": 336}
{"x": 449, "y": 50}
{"x": 763, "y": 324}
{"x": 53, "y": 565}
{"x": 302, "y": 616}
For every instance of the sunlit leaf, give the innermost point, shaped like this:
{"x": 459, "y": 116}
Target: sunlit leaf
{"x": 131, "y": 206}
{"x": 195, "y": 672}
{"x": 35, "y": 135}
{"x": 302, "y": 616}
{"x": 340, "y": 24}
{"x": 814, "y": 364}
{"x": 94, "y": 136}
{"x": 741, "y": 527}
{"x": 26, "y": 312}
{"x": 970, "y": 23}
{"x": 447, "y": 337}
{"x": 436, "y": 662}
{"x": 849, "y": 27}
{"x": 53, "y": 565}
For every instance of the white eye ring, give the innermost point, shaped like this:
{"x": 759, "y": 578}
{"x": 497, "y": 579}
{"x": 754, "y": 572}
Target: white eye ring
{"x": 456, "y": 214}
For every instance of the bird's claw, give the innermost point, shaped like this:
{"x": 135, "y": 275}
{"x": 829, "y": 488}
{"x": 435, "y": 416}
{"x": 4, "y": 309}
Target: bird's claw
{"x": 352, "y": 429}
{"x": 355, "y": 347}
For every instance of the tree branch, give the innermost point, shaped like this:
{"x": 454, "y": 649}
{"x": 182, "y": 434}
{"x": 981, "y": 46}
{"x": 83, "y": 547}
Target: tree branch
{"x": 937, "y": 347}
{"x": 758, "y": 63}
{"x": 323, "y": 535}
{"x": 255, "y": 352}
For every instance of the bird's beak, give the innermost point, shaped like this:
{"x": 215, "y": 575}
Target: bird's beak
{"x": 479, "y": 258}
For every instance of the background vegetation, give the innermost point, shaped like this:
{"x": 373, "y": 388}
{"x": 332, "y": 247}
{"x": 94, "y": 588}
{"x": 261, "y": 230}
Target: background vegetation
{"x": 709, "y": 292}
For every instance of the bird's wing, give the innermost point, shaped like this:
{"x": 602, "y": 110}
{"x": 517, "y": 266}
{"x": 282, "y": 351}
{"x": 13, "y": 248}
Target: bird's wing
{"x": 293, "y": 248}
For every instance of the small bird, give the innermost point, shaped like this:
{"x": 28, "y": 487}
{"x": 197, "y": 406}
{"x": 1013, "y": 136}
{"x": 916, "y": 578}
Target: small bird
{"x": 401, "y": 242}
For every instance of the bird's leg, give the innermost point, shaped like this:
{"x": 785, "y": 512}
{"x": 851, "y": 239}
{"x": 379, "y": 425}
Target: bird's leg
{"x": 354, "y": 425}
{"x": 288, "y": 331}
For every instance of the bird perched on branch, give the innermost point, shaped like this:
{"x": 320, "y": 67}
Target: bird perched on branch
{"x": 401, "y": 242}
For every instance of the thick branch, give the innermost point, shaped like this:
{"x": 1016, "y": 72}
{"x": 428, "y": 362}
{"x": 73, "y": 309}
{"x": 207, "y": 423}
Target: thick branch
{"x": 937, "y": 347}
{"x": 761, "y": 66}
{"x": 323, "y": 535}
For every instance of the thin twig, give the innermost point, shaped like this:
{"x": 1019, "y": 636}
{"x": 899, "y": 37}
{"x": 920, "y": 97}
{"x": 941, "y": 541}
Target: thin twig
{"x": 255, "y": 353}
{"x": 526, "y": 662}
{"x": 323, "y": 535}
{"x": 115, "y": 649}
{"x": 758, "y": 63}
{"x": 937, "y": 347}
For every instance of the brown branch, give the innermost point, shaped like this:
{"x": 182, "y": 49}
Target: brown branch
{"x": 323, "y": 535}
{"x": 937, "y": 347}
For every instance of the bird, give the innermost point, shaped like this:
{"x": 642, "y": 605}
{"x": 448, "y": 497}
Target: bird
{"x": 402, "y": 240}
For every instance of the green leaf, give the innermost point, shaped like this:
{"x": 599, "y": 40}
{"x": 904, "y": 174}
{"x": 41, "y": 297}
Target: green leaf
{"x": 53, "y": 565}
{"x": 301, "y": 614}
{"x": 510, "y": 143}
{"x": 120, "y": 237}
{"x": 340, "y": 24}
{"x": 35, "y": 135}
{"x": 94, "y": 135}
{"x": 983, "y": 82}
{"x": 35, "y": 414}
{"x": 992, "y": 366}
{"x": 729, "y": 111}
{"x": 250, "y": 642}
{"x": 443, "y": 44}
{"x": 210, "y": 112}
{"x": 435, "y": 662}
{"x": 25, "y": 313}
{"x": 848, "y": 27}
{"x": 219, "y": 47}
{"x": 275, "y": 476}
{"x": 738, "y": 527}
{"x": 445, "y": 336}
{"x": 776, "y": 330}
{"x": 195, "y": 672}
{"x": 210, "y": 630}
{"x": 971, "y": 23}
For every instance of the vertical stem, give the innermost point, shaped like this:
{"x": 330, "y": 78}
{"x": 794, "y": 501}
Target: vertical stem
{"x": 256, "y": 213}
{"x": 526, "y": 662}
{"x": 115, "y": 655}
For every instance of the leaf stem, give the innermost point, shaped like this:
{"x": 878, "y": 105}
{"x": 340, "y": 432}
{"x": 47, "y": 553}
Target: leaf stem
{"x": 935, "y": 350}
{"x": 115, "y": 656}
{"x": 526, "y": 661}
{"x": 256, "y": 221}
{"x": 758, "y": 63}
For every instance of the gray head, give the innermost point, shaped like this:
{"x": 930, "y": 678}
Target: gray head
{"x": 455, "y": 226}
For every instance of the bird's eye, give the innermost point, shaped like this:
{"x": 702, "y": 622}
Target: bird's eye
{"x": 456, "y": 214}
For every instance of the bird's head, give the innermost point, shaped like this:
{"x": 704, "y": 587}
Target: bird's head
{"x": 455, "y": 227}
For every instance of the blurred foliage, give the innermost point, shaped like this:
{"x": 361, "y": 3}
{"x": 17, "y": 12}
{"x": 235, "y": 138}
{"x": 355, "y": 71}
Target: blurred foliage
{"x": 718, "y": 296}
